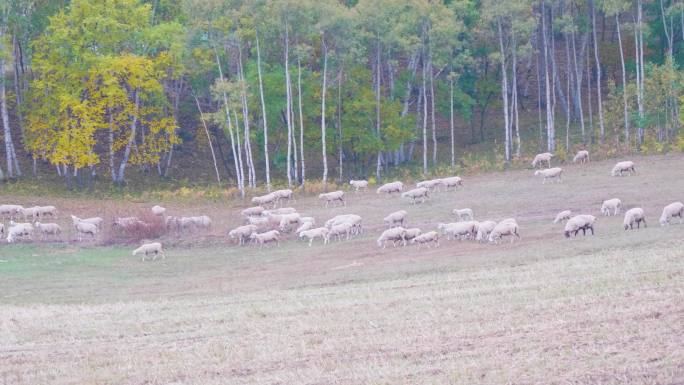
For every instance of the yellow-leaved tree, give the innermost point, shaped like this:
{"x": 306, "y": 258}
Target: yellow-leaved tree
{"x": 98, "y": 89}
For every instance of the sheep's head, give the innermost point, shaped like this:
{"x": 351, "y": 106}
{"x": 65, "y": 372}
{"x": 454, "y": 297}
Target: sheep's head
{"x": 537, "y": 172}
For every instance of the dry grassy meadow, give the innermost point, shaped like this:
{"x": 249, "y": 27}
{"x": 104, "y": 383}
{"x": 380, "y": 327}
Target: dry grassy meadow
{"x": 607, "y": 309}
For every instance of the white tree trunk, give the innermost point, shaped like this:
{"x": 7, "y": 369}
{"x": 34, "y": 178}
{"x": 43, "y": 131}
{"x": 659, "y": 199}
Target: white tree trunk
{"x": 378, "y": 68}
{"x": 624, "y": 79}
{"x": 550, "y": 129}
{"x": 287, "y": 107}
{"x": 451, "y": 120}
{"x": 598, "y": 74}
{"x": 236, "y": 150}
{"x": 263, "y": 115}
{"x": 323, "y": 92}
{"x": 301, "y": 120}
{"x": 211, "y": 146}
{"x": 251, "y": 173}
{"x": 578, "y": 87}
{"x": 504, "y": 93}
{"x": 131, "y": 140}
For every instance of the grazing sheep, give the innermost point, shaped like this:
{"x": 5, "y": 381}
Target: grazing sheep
{"x": 242, "y": 233}
{"x": 97, "y": 221}
{"x": 319, "y": 232}
{"x": 395, "y": 217}
{"x": 338, "y": 230}
{"x": 158, "y": 210}
{"x": 202, "y": 222}
{"x": 46, "y": 229}
{"x": 579, "y": 222}
{"x": 19, "y": 230}
{"x": 29, "y": 212}
{"x": 582, "y": 156}
{"x": 126, "y": 222}
{"x": 83, "y": 227}
{"x": 389, "y": 188}
{"x": 172, "y": 223}
{"x": 266, "y": 199}
{"x": 353, "y": 219}
{"x": 267, "y": 237}
{"x": 409, "y": 234}
{"x": 452, "y": 182}
{"x": 280, "y": 211}
{"x": 672, "y": 210}
{"x": 504, "y": 228}
{"x": 541, "y": 158}
{"x": 252, "y": 211}
{"x": 304, "y": 227}
{"x": 332, "y": 197}
{"x": 562, "y": 216}
{"x": 10, "y": 211}
{"x": 635, "y": 215}
{"x": 150, "y": 248}
{"x": 463, "y": 214}
{"x": 426, "y": 238}
{"x": 459, "y": 230}
{"x": 287, "y": 220}
{"x": 395, "y": 235}
{"x": 483, "y": 230}
{"x": 614, "y": 204}
{"x": 308, "y": 219}
{"x": 359, "y": 185}
{"x": 430, "y": 184}
{"x": 46, "y": 211}
{"x": 550, "y": 173}
{"x": 415, "y": 194}
{"x": 621, "y": 167}
{"x": 283, "y": 194}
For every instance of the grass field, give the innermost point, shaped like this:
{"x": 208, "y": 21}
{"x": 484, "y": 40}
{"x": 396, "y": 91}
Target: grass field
{"x": 607, "y": 309}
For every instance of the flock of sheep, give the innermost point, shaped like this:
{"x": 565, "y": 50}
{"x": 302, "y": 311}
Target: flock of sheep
{"x": 263, "y": 226}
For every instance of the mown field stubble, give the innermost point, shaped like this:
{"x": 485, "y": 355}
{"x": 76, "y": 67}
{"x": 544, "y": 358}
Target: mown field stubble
{"x": 607, "y": 309}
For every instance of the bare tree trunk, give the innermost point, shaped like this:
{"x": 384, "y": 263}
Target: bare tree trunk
{"x": 639, "y": 40}
{"x": 539, "y": 99}
{"x": 236, "y": 150}
{"x": 504, "y": 92}
{"x": 263, "y": 115}
{"x": 12, "y": 162}
{"x": 550, "y": 129}
{"x": 378, "y": 69}
{"x": 251, "y": 173}
{"x": 323, "y": 93}
{"x": 238, "y": 146}
{"x": 301, "y": 120}
{"x": 339, "y": 122}
{"x": 569, "y": 81}
{"x": 287, "y": 106}
{"x": 624, "y": 79}
{"x": 432, "y": 111}
{"x": 451, "y": 119}
{"x": 111, "y": 146}
{"x": 211, "y": 146}
{"x": 516, "y": 119}
{"x": 425, "y": 117}
{"x": 578, "y": 80}
{"x": 131, "y": 141}
{"x": 598, "y": 74}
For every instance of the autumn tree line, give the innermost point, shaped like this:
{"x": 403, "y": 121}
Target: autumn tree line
{"x": 297, "y": 90}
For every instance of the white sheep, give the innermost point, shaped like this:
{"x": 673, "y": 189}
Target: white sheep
{"x": 288, "y": 220}
{"x": 89, "y": 228}
{"x": 279, "y": 211}
{"x": 332, "y": 197}
{"x": 150, "y": 248}
{"x": 426, "y": 238}
{"x": 582, "y": 156}
{"x": 266, "y": 199}
{"x": 395, "y": 217}
{"x": 267, "y": 237}
{"x": 252, "y": 211}
{"x": 430, "y": 184}
{"x": 463, "y": 214}
{"x": 452, "y": 182}
{"x": 395, "y": 235}
{"x": 675, "y": 209}
{"x": 97, "y": 221}
{"x": 319, "y": 232}
{"x": 359, "y": 185}
{"x": 459, "y": 230}
{"x": 579, "y": 222}
{"x": 19, "y": 230}
{"x": 304, "y": 227}
{"x": 562, "y": 216}
{"x": 158, "y": 210}
{"x": 283, "y": 194}
{"x": 29, "y": 212}
{"x": 389, "y": 188}
{"x": 129, "y": 223}
{"x": 46, "y": 211}
{"x": 10, "y": 211}
{"x": 353, "y": 219}
{"x": 341, "y": 229}
{"x": 621, "y": 167}
{"x": 410, "y": 234}
{"x": 242, "y": 233}
{"x": 614, "y": 204}
{"x": 47, "y": 229}
{"x": 415, "y": 194}
{"x": 203, "y": 222}
{"x": 484, "y": 228}
{"x": 541, "y": 158}
{"x": 635, "y": 215}
{"x": 507, "y": 227}
{"x": 550, "y": 173}
{"x": 172, "y": 223}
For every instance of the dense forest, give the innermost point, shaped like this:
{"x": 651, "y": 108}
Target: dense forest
{"x": 297, "y": 90}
